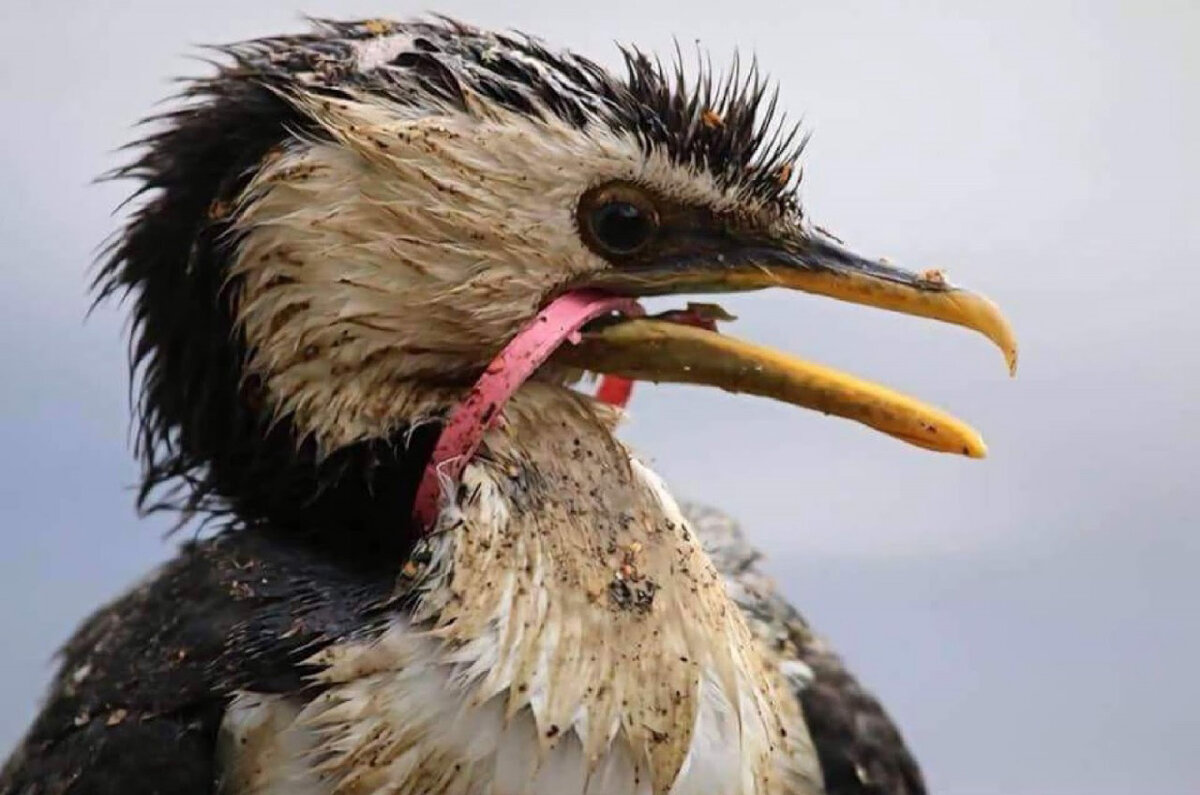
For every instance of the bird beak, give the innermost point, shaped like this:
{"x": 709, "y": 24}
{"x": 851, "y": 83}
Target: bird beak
{"x": 686, "y": 348}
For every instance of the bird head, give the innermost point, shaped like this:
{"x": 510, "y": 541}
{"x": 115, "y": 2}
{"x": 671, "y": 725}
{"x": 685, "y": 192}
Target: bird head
{"x": 343, "y": 229}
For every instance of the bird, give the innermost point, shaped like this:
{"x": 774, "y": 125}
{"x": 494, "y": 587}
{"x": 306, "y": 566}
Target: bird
{"x": 373, "y": 270}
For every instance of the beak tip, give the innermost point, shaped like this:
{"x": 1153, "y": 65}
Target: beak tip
{"x": 979, "y": 313}
{"x": 1010, "y": 358}
{"x": 973, "y": 445}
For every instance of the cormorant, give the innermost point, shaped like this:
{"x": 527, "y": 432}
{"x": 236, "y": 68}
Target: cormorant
{"x": 368, "y": 267}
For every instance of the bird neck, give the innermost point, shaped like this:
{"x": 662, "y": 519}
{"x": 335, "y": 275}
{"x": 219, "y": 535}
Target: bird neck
{"x": 563, "y": 575}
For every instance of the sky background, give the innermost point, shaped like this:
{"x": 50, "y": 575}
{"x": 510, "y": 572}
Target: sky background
{"x": 1032, "y": 620}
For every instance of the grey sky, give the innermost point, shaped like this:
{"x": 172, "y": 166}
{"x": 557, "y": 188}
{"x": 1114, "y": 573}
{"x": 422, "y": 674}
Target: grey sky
{"x": 1031, "y": 619}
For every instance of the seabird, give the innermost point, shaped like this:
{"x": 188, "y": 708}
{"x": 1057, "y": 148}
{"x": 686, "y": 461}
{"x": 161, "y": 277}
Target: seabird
{"x": 370, "y": 270}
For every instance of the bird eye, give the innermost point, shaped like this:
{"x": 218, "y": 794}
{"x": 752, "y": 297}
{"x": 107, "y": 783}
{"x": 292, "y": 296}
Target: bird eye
{"x": 620, "y": 221}
{"x": 622, "y": 227}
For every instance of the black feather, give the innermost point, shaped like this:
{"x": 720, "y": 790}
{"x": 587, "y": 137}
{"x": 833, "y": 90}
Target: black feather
{"x": 138, "y": 700}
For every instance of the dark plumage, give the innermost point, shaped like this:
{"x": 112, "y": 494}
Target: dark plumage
{"x": 315, "y": 538}
{"x": 137, "y": 700}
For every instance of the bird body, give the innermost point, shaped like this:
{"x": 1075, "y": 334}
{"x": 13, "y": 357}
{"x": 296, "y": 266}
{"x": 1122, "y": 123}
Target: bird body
{"x": 194, "y": 681}
{"x": 343, "y": 234}
{"x": 553, "y": 646}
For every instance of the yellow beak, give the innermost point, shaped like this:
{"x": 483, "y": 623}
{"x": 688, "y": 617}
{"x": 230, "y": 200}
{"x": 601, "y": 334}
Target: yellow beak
{"x": 663, "y": 350}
